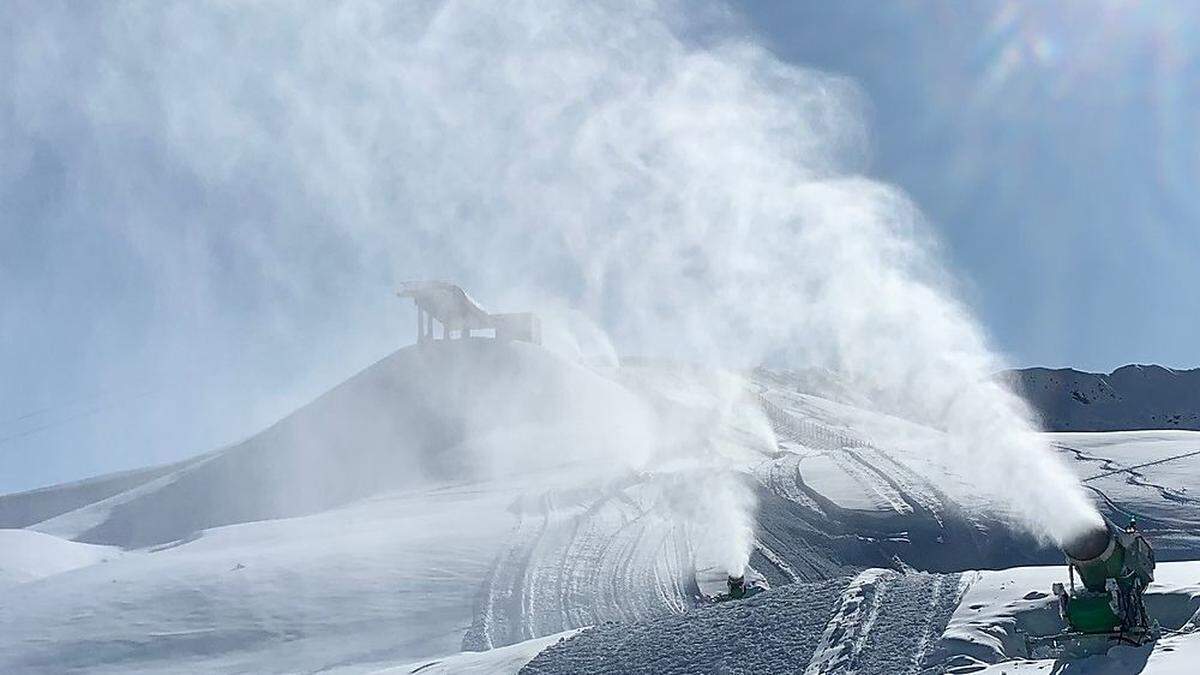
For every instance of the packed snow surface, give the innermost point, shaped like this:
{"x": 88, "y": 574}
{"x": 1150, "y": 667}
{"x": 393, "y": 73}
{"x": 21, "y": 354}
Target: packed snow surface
{"x": 879, "y": 622}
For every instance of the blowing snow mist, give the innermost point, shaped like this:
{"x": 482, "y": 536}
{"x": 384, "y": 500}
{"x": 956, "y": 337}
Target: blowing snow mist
{"x": 699, "y": 202}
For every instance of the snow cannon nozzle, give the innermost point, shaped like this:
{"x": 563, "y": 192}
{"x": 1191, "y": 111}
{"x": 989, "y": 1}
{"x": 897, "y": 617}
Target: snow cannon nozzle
{"x": 737, "y": 586}
{"x": 739, "y": 589}
{"x": 1089, "y": 544}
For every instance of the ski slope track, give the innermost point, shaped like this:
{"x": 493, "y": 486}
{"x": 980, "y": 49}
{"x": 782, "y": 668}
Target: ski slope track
{"x": 460, "y": 507}
{"x": 880, "y": 622}
{"x": 600, "y": 556}
{"x": 1163, "y": 497}
{"x": 831, "y": 502}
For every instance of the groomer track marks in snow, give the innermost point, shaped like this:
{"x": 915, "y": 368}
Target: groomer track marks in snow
{"x": 879, "y": 622}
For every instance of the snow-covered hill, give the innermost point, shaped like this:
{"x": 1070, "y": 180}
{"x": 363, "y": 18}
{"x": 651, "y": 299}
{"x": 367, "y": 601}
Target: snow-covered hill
{"x": 416, "y": 416}
{"x": 1129, "y": 398}
{"x": 29, "y": 555}
{"x": 482, "y": 495}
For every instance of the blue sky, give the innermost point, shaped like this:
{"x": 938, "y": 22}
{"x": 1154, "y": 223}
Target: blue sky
{"x": 1052, "y": 147}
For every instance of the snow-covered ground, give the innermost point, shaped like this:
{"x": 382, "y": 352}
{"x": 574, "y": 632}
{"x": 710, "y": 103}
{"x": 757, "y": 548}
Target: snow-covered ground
{"x": 883, "y": 621}
{"x": 26, "y": 555}
{"x": 378, "y": 581}
{"x": 508, "y": 660}
{"x": 999, "y": 609}
{"x": 880, "y": 621}
{"x": 1164, "y": 498}
{"x": 479, "y": 495}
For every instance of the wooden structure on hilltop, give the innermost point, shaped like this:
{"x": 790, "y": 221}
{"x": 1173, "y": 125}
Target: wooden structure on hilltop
{"x": 461, "y": 317}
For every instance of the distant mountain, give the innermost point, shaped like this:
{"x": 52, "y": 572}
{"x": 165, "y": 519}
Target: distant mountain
{"x": 1129, "y": 398}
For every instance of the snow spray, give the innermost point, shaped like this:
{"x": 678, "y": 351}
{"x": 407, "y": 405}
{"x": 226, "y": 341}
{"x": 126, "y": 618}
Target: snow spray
{"x": 694, "y": 194}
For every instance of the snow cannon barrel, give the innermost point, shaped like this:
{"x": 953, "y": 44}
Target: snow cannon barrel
{"x": 1095, "y": 555}
{"x": 1110, "y": 552}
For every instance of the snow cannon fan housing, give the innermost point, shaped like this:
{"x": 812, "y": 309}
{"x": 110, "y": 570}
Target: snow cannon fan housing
{"x": 1114, "y": 566}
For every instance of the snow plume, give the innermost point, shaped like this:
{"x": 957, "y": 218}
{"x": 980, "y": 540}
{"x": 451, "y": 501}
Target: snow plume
{"x": 708, "y": 430}
{"x": 272, "y": 169}
{"x": 726, "y": 522}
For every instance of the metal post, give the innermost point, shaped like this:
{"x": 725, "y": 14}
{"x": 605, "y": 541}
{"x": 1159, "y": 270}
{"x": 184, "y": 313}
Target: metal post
{"x": 429, "y": 325}
{"x": 420, "y": 324}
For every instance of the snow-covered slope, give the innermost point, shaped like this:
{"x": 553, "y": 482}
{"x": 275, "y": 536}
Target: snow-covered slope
{"x": 852, "y": 488}
{"x": 409, "y": 418}
{"x": 26, "y": 508}
{"x": 359, "y": 530}
{"x": 26, "y": 555}
{"x": 381, "y": 581}
{"x": 1164, "y": 498}
{"x": 477, "y": 494}
{"x": 508, "y": 660}
{"x": 1129, "y": 398}
{"x": 886, "y": 622}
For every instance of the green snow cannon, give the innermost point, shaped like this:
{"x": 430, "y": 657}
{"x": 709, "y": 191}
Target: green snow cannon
{"x": 1114, "y": 566}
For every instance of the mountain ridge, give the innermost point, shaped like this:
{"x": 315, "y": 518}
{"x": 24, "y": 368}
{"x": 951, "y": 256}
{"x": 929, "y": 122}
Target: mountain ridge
{"x": 1130, "y": 398}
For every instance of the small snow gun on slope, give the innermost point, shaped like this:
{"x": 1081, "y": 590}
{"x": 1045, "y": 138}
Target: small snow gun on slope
{"x": 739, "y": 588}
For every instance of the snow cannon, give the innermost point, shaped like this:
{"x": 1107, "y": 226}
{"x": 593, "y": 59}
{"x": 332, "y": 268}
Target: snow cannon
{"x": 739, "y": 588}
{"x": 1114, "y": 566}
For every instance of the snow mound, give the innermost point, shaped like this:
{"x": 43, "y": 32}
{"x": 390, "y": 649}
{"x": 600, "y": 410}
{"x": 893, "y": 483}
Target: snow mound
{"x": 26, "y": 556}
{"x": 413, "y": 417}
